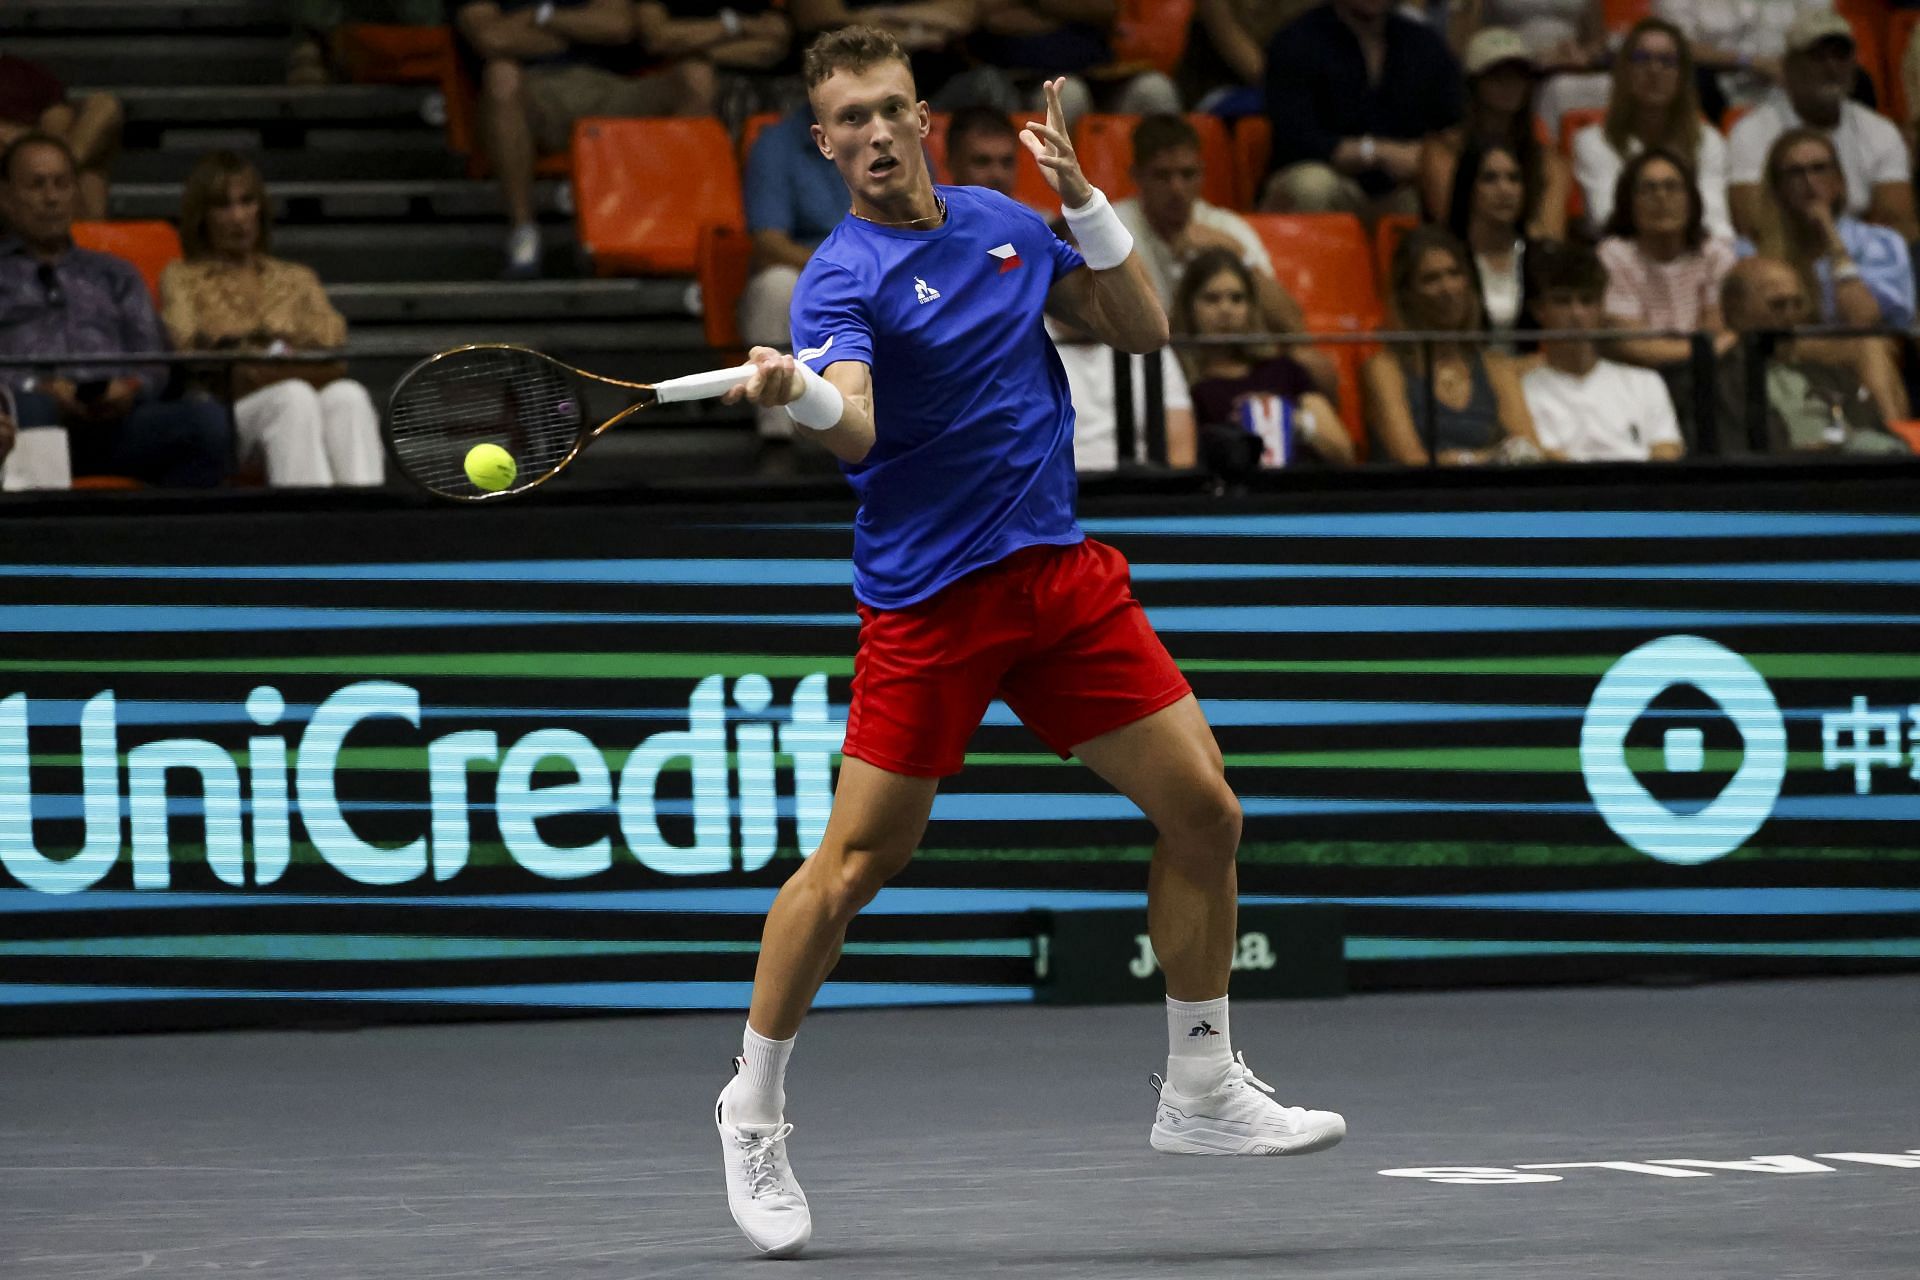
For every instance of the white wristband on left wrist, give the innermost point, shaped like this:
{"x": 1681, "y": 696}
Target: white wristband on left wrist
{"x": 1104, "y": 240}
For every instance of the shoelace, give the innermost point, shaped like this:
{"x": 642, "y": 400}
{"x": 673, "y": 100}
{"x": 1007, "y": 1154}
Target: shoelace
{"x": 1241, "y": 1073}
{"x": 763, "y": 1172}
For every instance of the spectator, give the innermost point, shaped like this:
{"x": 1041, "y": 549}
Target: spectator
{"x": 1654, "y": 104}
{"x": 1861, "y": 274}
{"x": 308, "y": 423}
{"x": 1091, "y": 380}
{"x": 65, "y": 305}
{"x": 1586, "y": 408}
{"x": 33, "y": 100}
{"x": 1819, "y": 70}
{"x": 1096, "y": 396}
{"x": 1663, "y": 269}
{"x": 1466, "y": 406}
{"x": 718, "y": 53}
{"x": 1235, "y": 388}
{"x": 546, "y": 63}
{"x": 1171, "y": 225}
{"x": 1035, "y": 38}
{"x": 1352, "y": 88}
{"x": 1490, "y": 198}
{"x": 982, "y": 149}
{"x": 794, "y": 199}
{"x": 35, "y": 458}
{"x": 1811, "y": 405}
{"x": 931, "y": 31}
{"x": 1742, "y": 41}
{"x": 1565, "y": 39}
{"x": 1499, "y": 113}
{"x": 1226, "y": 58}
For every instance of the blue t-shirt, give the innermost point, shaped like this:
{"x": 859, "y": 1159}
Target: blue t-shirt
{"x": 790, "y": 186}
{"x": 973, "y": 451}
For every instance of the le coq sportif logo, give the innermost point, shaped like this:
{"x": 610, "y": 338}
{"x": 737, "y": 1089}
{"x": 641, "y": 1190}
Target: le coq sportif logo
{"x": 1624, "y": 695}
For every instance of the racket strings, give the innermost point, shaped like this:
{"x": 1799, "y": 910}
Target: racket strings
{"x": 516, "y": 399}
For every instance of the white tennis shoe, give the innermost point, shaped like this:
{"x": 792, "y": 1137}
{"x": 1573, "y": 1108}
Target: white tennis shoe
{"x": 1239, "y": 1119}
{"x": 766, "y": 1200}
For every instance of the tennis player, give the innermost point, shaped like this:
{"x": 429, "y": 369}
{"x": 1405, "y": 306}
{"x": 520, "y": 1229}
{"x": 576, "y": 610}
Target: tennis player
{"x": 922, "y": 363}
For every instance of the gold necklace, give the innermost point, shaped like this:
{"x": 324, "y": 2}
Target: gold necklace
{"x": 938, "y": 215}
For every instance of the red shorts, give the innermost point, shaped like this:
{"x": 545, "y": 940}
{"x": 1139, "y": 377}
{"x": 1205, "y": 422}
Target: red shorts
{"x": 1053, "y": 630}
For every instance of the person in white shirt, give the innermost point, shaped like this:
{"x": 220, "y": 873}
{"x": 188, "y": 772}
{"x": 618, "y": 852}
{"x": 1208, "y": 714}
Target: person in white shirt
{"x": 1653, "y": 104}
{"x": 1819, "y": 71}
{"x": 1171, "y": 226}
{"x": 1584, "y": 408}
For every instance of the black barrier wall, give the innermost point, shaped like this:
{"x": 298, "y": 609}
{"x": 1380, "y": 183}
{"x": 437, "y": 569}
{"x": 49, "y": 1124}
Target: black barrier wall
{"x": 406, "y": 761}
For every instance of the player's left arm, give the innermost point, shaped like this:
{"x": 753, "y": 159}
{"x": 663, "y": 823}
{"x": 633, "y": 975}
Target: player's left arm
{"x": 1113, "y": 298}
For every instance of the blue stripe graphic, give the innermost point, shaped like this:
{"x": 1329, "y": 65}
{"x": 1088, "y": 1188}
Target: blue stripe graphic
{"x": 751, "y": 572}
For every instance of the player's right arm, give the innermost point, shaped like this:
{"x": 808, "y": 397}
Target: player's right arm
{"x": 779, "y": 380}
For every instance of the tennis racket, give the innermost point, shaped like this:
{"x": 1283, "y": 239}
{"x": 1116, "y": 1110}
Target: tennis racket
{"x": 531, "y": 405}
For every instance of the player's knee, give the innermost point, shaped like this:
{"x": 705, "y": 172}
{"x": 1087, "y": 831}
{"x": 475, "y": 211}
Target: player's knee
{"x": 857, "y": 875}
{"x": 1206, "y": 824}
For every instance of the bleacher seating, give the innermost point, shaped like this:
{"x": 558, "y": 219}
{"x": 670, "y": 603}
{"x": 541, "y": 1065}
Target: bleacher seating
{"x": 644, "y": 191}
{"x": 1252, "y": 149}
{"x": 148, "y": 244}
{"x": 1325, "y": 261}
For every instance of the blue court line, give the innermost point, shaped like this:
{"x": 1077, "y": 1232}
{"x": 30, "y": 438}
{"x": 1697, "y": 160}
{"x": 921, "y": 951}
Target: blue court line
{"x": 755, "y": 901}
{"x": 580, "y": 995}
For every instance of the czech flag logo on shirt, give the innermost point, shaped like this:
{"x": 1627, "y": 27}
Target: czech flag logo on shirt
{"x": 1008, "y": 255}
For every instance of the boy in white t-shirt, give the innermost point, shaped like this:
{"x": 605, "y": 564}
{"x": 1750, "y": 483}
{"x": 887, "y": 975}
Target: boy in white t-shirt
{"x": 1586, "y": 409}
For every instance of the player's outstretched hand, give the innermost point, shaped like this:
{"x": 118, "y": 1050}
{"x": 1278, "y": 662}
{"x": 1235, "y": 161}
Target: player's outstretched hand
{"x": 775, "y": 381}
{"x": 1054, "y": 150}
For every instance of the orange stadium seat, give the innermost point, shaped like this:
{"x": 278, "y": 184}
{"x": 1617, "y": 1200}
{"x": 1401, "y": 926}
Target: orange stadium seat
{"x": 1899, "y": 35}
{"x": 387, "y": 53}
{"x": 1325, "y": 262}
{"x": 1620, "y": 15}
{"x": 1152, "y": 33}
{"x": 1387, "y": 234}
{"x": 1105, "y": 146}
{"x": 1030, "y": 186}
{"x": 644, "y": 190}
{"x": 149, "y": 245}
{"x": 751, "y": 130}
{"x": 936, "y": 146}
{"x": 1869, "y": 19}
{"x": 725, "y": 262}
{"x": 1252, "y": 150}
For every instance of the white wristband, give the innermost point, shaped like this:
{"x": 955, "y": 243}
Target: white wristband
{"x": 820, "y": 404}
{"x": 1104, "y": 240}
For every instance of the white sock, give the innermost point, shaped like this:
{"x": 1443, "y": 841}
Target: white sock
{"x": 1199, "y": 1051}
{"x": 759, "y": 1093}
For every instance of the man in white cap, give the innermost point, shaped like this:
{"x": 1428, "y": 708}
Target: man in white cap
{"x": 1817, "y": 75}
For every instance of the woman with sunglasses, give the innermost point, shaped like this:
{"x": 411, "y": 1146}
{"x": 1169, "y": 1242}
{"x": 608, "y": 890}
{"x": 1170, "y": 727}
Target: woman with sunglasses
{"x": 1654, "y": 105}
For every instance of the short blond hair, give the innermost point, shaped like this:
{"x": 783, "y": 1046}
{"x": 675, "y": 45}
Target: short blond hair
{"x": 850, "y": 49}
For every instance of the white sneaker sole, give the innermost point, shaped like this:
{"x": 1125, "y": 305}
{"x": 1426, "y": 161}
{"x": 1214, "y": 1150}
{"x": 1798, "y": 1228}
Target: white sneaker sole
{"x": 1200, "y": 1140}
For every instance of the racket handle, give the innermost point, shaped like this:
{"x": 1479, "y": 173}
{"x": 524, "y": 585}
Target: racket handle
{"x": 702, "y": 386}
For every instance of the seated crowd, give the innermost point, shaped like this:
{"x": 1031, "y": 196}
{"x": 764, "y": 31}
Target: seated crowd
{"x": 1539, "y": 175}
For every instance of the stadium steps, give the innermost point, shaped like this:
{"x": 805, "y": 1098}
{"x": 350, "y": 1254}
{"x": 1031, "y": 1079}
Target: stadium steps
{"x": 270, "y": 103}
{"x": 158, "y": 59}
{"x": 321, "y": 160}
{"x": 120, "y": 17}
{"x": 473, "y": 302}
{"x": 397, "y": 200}
{"x": 362, "y": 252}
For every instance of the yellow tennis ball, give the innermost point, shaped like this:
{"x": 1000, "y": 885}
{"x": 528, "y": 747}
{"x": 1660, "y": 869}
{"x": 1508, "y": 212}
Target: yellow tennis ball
{"x": 490, "y": 467}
